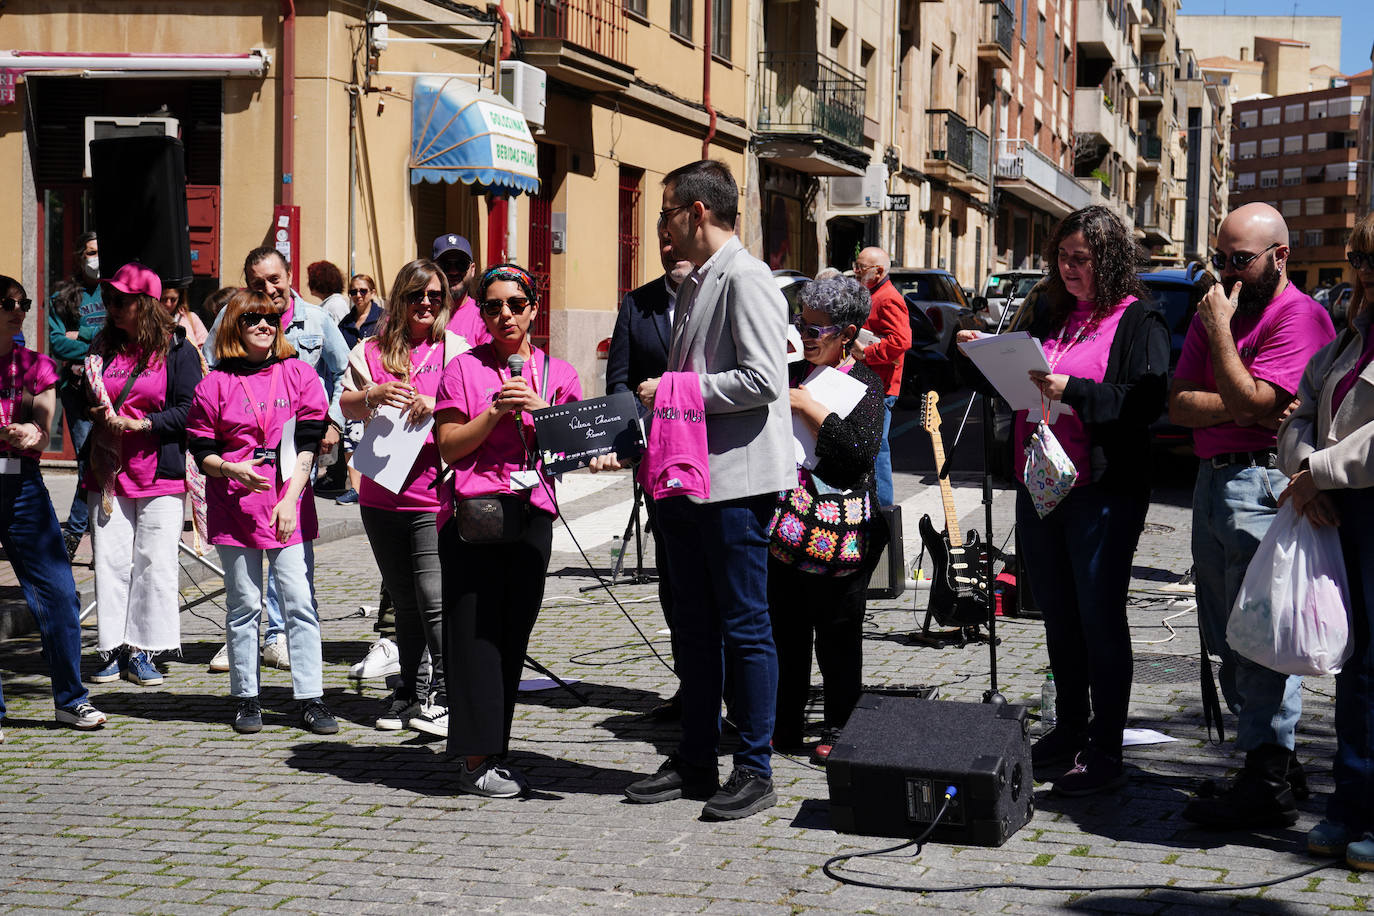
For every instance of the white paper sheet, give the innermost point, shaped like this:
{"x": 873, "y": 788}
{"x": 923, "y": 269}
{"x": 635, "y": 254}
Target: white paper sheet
{"x": 837, "y": 391}
{"x": 794, "y": 345}
{"x": 286, "y": 454}
{"x": 389, "y": 447}
{"x": 1135, "y": 737}
{"x": 1006, "y": 361}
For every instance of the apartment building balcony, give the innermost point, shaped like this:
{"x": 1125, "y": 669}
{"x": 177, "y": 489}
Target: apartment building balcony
{"x": 949, "y": 149}
{"x": 1152, "y": 219}
{"x": 1100, "y": 34}
{"x": 1100, "y": 194}
{"x": 580, "y": 42}
{"x": 1154, "y": 22}
{"x": 1151, "y": 86}
{"x": 1029, "y": 175}
{"x": 1150, "y": 152}
{"x": 998, "y": 34}
{"x": 811, "y": 114}
{"x": 1095, "y": 116}
{"x": 975, "y": 179}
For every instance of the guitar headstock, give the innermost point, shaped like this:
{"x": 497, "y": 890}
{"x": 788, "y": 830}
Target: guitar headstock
{"x": 930, "y": 412}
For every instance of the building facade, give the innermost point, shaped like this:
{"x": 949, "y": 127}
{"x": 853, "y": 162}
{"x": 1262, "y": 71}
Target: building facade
{"x": 1298, "y": 152}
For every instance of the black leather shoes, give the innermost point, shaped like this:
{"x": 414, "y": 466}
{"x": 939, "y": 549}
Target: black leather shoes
{"x": 675, "y": 779}
{"x": 746, "y": 792}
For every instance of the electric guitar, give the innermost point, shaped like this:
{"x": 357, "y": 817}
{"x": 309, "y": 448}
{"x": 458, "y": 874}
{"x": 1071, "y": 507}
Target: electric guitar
{"x": 957, "y": 597}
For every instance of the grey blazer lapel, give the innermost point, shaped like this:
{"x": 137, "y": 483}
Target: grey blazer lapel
{"x": 705, "y": 294}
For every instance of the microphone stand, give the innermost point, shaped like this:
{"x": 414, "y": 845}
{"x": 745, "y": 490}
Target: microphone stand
{"x": 992, "y": 694}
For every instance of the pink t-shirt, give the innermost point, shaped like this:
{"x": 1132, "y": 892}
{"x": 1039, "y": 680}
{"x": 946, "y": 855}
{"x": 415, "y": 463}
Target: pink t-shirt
{"x": 1082, "y": 352}
{"x": 470, "y": 384}
{"x": 222, "y": 411}
{"x": 466, "y": 321}
{"x": 23, "y": 370}
{"x": 1274, "y": 346}
{"x": 137, "y": 477}
{"x": 419, "y": 495}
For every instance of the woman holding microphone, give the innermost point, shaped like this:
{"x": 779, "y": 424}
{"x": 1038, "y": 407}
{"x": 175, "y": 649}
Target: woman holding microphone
{"x": 495, "y": 523}
{"x": 258, "y": 490}
{"x": 400, "y": 368}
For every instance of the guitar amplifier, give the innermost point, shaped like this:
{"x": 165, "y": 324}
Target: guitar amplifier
{"x": 889, "y": 576}
{"x": 889, "y": 768}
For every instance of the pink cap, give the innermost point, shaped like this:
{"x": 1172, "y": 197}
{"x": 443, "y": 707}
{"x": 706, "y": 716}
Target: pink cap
{"x": 134, "y": 278}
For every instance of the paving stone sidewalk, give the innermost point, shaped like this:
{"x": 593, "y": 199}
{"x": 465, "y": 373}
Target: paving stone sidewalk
{"x": 166, "y": 810}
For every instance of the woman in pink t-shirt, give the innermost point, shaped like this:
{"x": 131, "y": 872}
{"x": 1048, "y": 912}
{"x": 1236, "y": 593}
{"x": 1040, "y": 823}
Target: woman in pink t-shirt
{"x": 260, "y": 503}
{"x": 493, "y": 585}
{"x": 1108, "y": 354}
{"x": 141, "y": 374}
{"x": 395, "y": 375}
{"x": 29, "y": 531}
{"x": 174, "y": 301}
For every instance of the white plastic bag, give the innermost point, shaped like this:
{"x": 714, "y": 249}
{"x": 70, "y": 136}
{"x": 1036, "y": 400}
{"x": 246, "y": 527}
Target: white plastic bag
{"x": 1291, "y": 614}
{"x": 1049, "y": 473}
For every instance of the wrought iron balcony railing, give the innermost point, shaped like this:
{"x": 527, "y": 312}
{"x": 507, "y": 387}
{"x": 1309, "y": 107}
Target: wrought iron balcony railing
{"x": 804, "y": 93}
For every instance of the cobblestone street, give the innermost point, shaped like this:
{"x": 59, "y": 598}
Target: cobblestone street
{"x": 166, "y": 810}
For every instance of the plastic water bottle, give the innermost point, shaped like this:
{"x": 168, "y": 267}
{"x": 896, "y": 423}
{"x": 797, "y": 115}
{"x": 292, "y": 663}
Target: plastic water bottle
{"x": 615, "y": 550}
{"x": 1048, "y": 694}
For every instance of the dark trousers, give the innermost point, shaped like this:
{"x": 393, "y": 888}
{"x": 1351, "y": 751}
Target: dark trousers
{"x": 665, "y": 578}
{"x": 79, "y": 424}
{"x": 1079, "y": 558}
{"x": 1352, "y": 802}
{"x": 492, "y": 594}
{"x": 830, "y": 609}
{"x": 406, "y": 547}
{"x": 718, "y": 557}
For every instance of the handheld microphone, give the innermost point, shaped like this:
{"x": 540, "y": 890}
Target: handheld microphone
{"x": 516, "y": 364}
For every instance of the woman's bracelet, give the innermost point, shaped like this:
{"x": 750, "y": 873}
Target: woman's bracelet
{"x": 367, "y": 397}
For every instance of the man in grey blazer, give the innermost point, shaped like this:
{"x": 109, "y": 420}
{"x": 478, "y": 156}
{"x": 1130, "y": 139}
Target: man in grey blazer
{"x": 729, "y": 329}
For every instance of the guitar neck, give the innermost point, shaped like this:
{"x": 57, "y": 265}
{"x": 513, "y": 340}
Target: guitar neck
{"x": 956, "y": 539}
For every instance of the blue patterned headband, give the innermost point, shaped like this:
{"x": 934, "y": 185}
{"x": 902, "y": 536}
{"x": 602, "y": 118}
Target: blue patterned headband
{"x": 513, "y": 274}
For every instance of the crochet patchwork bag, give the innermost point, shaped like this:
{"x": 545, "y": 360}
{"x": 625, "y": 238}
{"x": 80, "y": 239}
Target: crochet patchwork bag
{"x": 825, "y": 534}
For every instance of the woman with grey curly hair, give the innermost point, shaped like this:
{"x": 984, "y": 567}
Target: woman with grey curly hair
{"x": 808, "y": 599}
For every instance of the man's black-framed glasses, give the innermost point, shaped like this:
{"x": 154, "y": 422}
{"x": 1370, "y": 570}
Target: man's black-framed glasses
{"x": 1239, "y": 259}
{"x": 664, "y": 214}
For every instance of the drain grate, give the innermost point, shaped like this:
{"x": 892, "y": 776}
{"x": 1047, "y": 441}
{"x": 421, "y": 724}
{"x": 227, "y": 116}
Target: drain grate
{"x": 1157, "y": 528}
{"x": 1155, "y": 668}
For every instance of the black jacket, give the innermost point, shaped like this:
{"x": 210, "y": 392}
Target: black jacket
{"x": 639, "y": 343}
{"x": 1118, "y": 410}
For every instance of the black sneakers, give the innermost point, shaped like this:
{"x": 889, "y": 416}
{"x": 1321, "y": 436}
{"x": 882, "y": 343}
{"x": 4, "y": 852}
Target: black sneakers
{"x": 1259, "y": 797}
{"x": 746, "y": 792}
{"x": 248, "y": 716}
{"x": 1059, "y": 745}
{"x": 316, "y": 718}
{"x": 675, "y": 779}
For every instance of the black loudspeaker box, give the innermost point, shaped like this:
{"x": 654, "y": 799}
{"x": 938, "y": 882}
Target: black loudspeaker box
{"x": 889, "y": 770}
{"x": 889, "y": 576}
{"x": 140, "y": 206}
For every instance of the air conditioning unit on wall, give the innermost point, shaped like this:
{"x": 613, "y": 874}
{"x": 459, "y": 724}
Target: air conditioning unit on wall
{"x": 524, "y": 87}
{"x": 100, "y": 127}
{"x": 864, "y": 192}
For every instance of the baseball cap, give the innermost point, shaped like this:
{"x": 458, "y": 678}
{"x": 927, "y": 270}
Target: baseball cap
{"x": 134, "y": 278}
{"x": 450, "y": 242}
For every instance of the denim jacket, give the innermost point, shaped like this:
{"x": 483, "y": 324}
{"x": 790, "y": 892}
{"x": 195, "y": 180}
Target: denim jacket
{"x": 318, "y": 342}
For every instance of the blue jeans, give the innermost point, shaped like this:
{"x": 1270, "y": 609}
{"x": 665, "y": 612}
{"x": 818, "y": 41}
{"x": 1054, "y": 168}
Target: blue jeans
{"x": 718, "y": 558}
{"x": 1079, "y": 563}
{"x": 33, "y": 542}
{"x": 79, "y": 425}
{"x": 275, "y": 624}
{"x": 243, "y": 583}
{"x": 1352, "y": 802}
{"x": 882, "y": 466}
{"x": 1232, "y": 509}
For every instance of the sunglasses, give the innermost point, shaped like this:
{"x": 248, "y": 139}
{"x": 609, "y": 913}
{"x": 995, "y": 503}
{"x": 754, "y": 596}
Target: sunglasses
{"x": 1358, "y": 260}
{"x": 253, "y": 319}
{"x": 455, "y": 264}
{"x": 814, "y": 331}
{"x": 432, "y": 298}
{"x": 517, "y": 305}
{"x": 359, "y": 292}
{"x": 10, "y": 305}
{"x": 1239, "y": 260}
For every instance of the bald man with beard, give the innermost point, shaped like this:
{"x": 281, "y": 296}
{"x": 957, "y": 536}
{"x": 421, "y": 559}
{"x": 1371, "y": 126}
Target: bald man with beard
{"x": 1242, "y": 361}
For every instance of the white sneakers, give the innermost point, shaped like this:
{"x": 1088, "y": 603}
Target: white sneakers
{"x": 82, "y": 716}
{"x": 492, "y": 779}
{"x": 382, "y": 660}
{"x": 432, "y": 719}
{"x": 220, "y": 663}
{"x": 274, "y": 655}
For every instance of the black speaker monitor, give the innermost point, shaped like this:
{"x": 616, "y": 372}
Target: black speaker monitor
{"x": 140, "y": 206}
{"x": 892, "y": 763}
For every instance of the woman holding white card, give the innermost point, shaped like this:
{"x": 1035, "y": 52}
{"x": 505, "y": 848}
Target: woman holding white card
{"x": 397, "y": 374}
{"x": 806, "y": 601}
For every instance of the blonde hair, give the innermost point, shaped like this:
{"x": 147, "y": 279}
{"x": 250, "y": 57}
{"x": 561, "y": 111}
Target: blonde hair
{"x": 393, "y": 336}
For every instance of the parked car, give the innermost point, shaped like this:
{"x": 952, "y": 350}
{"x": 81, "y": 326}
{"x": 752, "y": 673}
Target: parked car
{"x": 1007, "y": 290}
{"x": 1176, "y": 293}
{"x": 791, "y": 283}
{"x": 936, "y": 308}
